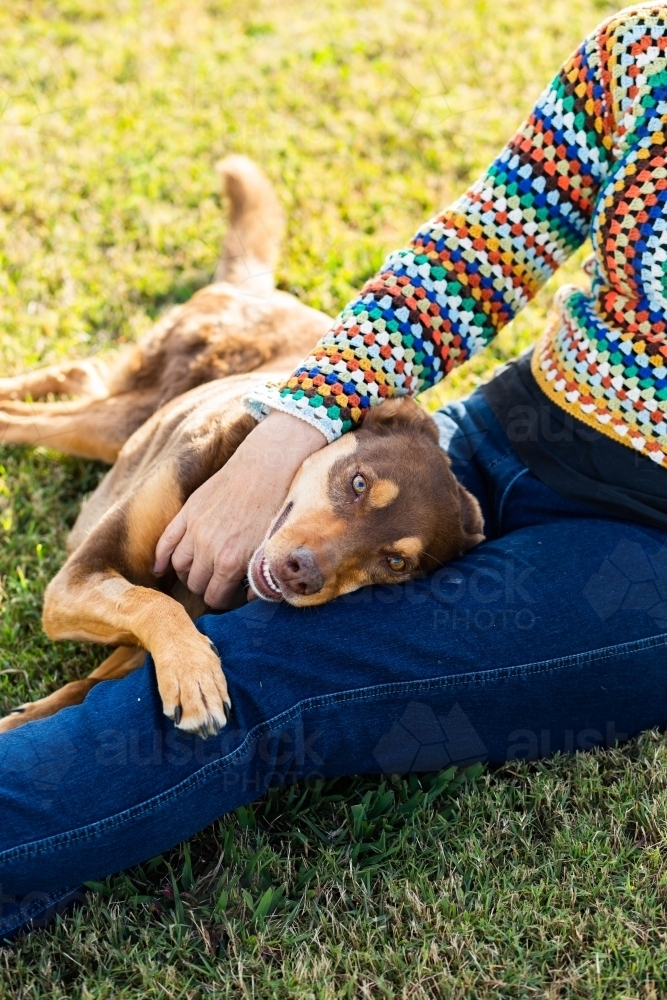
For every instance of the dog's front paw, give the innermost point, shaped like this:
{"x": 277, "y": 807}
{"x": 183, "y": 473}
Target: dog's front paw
{"x": 193, "y": 687}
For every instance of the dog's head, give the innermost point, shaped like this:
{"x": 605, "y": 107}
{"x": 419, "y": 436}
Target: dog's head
{"x": 380, "y": 506}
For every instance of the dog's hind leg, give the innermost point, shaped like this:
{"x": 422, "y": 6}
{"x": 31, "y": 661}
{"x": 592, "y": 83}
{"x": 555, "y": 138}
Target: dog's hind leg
{"x": 122, "y": 661}
{"x": 89, "y": 428}
{"x": 72, "y": 378}
{"x": 105, "y": 591}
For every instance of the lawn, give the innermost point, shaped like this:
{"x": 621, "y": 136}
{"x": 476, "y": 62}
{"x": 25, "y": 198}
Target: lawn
{"x": 537, "y": 880}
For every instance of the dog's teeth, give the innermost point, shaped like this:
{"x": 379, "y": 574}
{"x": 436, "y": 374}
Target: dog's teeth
{"x": 266, "y": 573}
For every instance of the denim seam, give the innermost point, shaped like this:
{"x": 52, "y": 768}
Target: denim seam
{"x": 501, "y": 505}
{"x": 503, "y": 457}
{"x": 84, "y": 834}
{"x": 10, "y": 924}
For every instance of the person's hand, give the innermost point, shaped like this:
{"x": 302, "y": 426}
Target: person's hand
{"x": 213, "y": 536}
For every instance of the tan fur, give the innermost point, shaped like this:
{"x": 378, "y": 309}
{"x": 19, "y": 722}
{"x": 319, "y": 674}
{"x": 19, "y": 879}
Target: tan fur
{"x": 156, "y": 504}
{"x": 78, "y": 378}
{"x": 168, "y": 412}
{"x": 121, "y": 662}
{"x": 107, "y": 592}
{"x": 382, "y": 493}
{"x": 240, "y": 323}
{"x": 330, "y": 539}
{"x": 409, "y": 548}
{"x": 256, "y": 224}
{"x": 187, "y": 668}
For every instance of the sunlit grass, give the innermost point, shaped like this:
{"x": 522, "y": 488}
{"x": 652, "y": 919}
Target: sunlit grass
{"x": 537, "y": 881}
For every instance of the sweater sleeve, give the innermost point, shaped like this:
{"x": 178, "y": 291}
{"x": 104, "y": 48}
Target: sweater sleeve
{"x": 470, "y": 269}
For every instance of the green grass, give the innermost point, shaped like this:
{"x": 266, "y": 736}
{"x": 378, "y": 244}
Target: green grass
{"x": 543, "y": 880}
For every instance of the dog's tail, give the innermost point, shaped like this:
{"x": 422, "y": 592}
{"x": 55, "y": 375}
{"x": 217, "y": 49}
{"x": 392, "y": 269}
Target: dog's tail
{"x": 256, "y": 225}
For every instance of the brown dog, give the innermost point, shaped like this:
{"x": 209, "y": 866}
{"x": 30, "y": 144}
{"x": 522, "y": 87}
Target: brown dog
{"x": 378, "y": 506}
{"x": 240, "y": 323}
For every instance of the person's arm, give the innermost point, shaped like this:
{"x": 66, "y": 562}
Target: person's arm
{"x": 464, "y": 276}
{"x": 213, "y": 536}
{"x": 469, "y": 270}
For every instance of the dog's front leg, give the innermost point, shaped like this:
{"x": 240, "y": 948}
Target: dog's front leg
{"x": 105, "y": 607}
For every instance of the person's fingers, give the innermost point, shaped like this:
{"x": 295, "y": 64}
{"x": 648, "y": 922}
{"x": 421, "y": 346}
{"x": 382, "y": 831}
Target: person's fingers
{"x": 168, "y": 541}
{"x": 201, "y": 570}
{"x": 221, "y": 588}
{"x": 183, "y": 557}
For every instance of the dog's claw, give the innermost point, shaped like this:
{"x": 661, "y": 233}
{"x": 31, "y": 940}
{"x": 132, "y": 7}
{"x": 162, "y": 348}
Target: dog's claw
{"x": 19, "y": 710}
{"x": 213, "y": 726}
{"x": 178, "y": 712}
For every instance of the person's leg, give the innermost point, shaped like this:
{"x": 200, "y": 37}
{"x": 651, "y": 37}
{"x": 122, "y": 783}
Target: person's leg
{"x": 550, "y": 637}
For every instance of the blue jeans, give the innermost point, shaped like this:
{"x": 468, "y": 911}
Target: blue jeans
{"x": 551, "y": 635}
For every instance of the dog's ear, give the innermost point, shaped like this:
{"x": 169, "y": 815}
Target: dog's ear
{"x": 400, "y": 413}
{"x": 472, "y": 521}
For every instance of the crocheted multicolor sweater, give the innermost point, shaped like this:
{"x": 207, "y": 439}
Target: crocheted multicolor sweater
{"x": 591, "y": 160}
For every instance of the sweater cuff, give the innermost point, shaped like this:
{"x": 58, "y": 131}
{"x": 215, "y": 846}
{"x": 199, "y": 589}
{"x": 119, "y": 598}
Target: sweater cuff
{"x": 259, "y": 402}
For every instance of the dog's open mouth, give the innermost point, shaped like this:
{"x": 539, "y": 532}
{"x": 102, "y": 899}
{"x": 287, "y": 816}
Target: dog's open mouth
{"x": 261, "y": 579}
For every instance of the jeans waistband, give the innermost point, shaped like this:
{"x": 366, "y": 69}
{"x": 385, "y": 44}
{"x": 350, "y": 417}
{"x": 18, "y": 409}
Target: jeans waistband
{"x": 470, "y": 432}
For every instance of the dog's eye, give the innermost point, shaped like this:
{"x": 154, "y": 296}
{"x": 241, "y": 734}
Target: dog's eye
{"x": 359, "y": 484}
{"x": 396, "y": 563}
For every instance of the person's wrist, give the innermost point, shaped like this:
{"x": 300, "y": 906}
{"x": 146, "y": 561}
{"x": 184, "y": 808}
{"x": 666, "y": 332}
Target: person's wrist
{"x": 289, "y": 439}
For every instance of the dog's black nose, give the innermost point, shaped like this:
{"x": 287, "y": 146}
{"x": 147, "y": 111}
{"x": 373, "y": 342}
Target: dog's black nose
{"x": 300, "y": 572}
